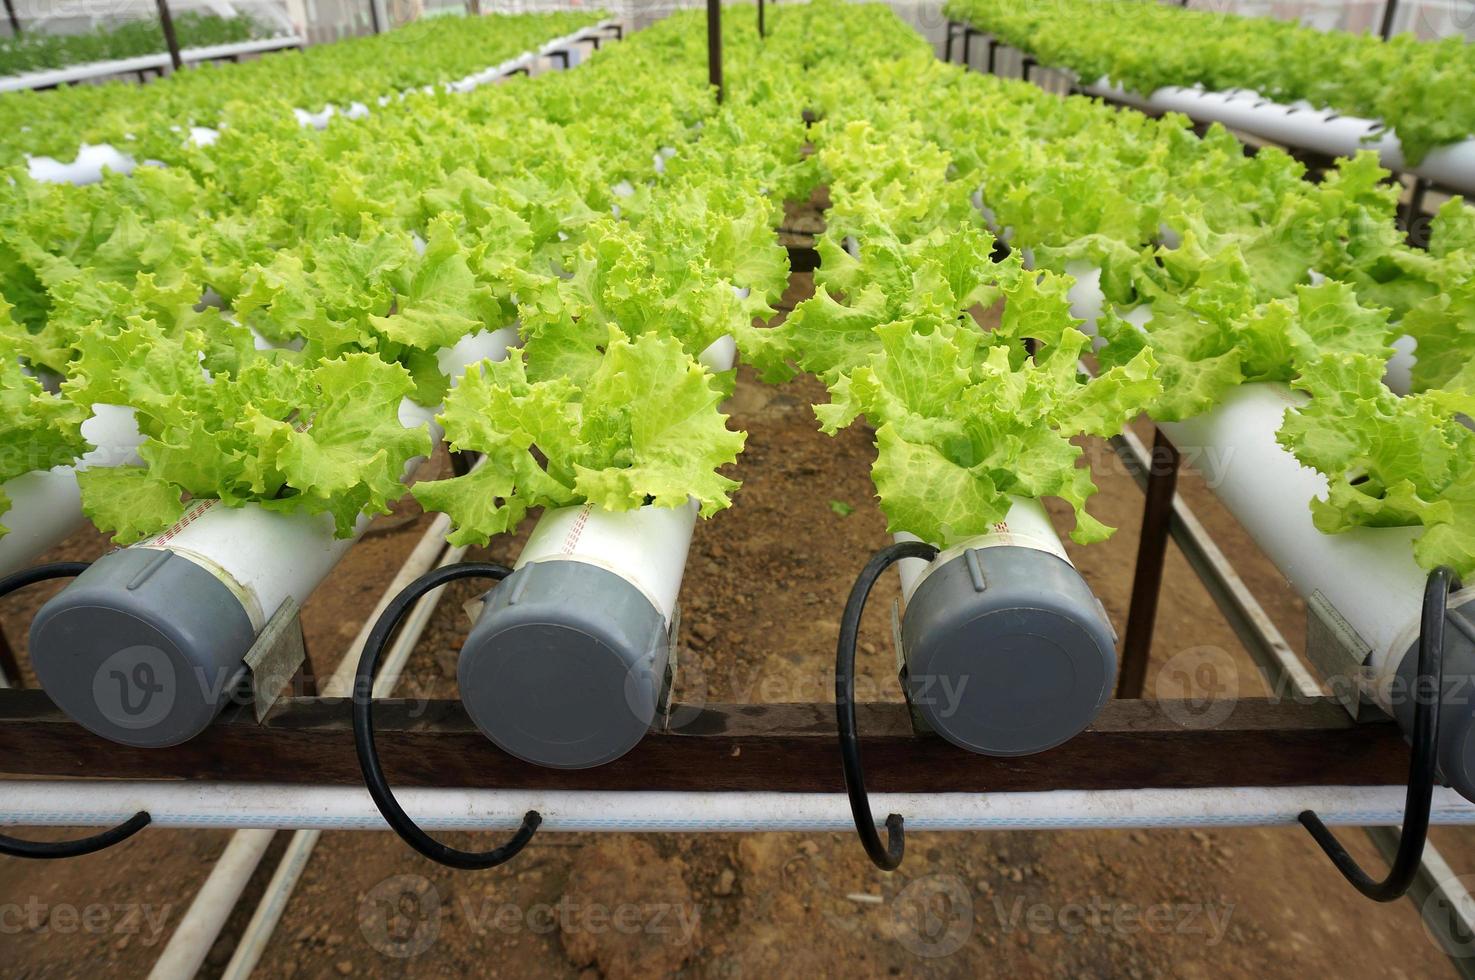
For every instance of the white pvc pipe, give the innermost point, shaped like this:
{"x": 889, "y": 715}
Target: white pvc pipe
{"x": 1368, "y": 574}
{"x": 215, "y": 901}
{"x": 201, "y": 805}
{"x": 647, "y": 547}
{"x": 1027, "y": 525}
{"x": 294, "y": 861}
{"x": 127, "y": 66}
{"x": 192, "y": 938}
{"x": 87, "y": 168}
{"x": 46, "y": 505}
{"x": 1322, "y": 130}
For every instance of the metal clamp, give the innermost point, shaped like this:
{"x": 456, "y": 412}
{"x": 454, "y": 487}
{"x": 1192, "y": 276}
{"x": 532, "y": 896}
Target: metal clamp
{"x": 276, "y": 656}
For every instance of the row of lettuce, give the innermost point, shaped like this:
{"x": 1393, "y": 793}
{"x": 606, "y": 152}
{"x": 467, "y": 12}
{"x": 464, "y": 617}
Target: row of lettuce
{"x": 1419, "y": 89}
{"x": 151, "y": 122}
{"x": 624, "y": 222}
{"x": 335, "y": 267}
{"x": 39, "y": 50}
{"x": 1218, "y": 269}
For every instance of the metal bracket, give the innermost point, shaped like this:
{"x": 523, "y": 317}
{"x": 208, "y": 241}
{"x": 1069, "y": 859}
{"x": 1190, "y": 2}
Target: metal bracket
{"x": 1341, "y": 655}
{"x": 668, "y": 682}
{"x": 276, "y": 656}
{"x": 919, "y": 723}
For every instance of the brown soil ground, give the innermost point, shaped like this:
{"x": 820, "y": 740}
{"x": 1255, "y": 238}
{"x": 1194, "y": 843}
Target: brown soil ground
{"x": 761, "y": 601}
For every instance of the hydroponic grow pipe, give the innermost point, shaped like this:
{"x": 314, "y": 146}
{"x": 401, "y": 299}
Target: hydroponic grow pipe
{"x": 198, "y": 931}
{"x": 1322, "y": 130}
{"x": 93, "y": 159}
{"x": 215, "y": 805}
{"x": 1087, "y": 303}
{"x": 46, "y": 505}
{"x": 1006, "y": 650}
{"x": 1368, "y": 575}
{"x": 148, "y": 644}
{"x": 568, "y": 659}
{"x": 54, "y": 77}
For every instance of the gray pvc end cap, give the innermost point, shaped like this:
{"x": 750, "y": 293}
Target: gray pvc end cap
{"x": 1007, "y": 651}
{"x": 143, "y": 648}
{"x": 565, "y": 666}
{"x": 1456, "y": 756}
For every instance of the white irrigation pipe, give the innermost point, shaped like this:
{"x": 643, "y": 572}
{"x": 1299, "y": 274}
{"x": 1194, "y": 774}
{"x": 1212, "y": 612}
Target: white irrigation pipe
{"x": 148, "y": 62}
{"x": 299, "y": 851}
{"x": 198, "y": 930}
{"x": 46, "y": 505}
{"x": 1322, "y": 130}
{"x": 203, "y": 806}
{"x": 200, "y": 926}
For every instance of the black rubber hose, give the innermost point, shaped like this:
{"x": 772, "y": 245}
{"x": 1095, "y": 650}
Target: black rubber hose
{"x": 1423, "y": 766}
{"x": 363, "y": 729}
{"x": 885, "y": 856}
{"x": 47, "y": 851}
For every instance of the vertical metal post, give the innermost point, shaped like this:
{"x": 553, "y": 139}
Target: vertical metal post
{"x": 166, "y": 21}
{"x": 1152, "y": 552}
{"x": 14, "y": 20}
{"x": 10, "y": 675}
{"x": 1418, "y": 234}
{"x": 1390, "y": 10}
{"x": 947, "y": 48}
{"x": 714, "y": 47}
{"x": 762, "y": 31}
{"x": 374, "y": 17}
{"x": 968, "y": 33}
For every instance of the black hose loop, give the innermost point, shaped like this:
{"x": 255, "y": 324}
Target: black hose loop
{"x": 885, "y": 856}
{"x": 363, "y": 729}
{"x": 1428, "y": 690}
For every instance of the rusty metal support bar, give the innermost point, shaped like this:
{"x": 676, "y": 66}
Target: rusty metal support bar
{"x": 166, "y": 21}
{"x": 1152, "y": 552}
